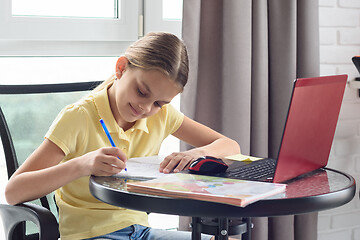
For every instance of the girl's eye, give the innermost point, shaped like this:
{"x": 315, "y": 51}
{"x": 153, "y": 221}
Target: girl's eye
{"x": 157, "y": 104}
{"x": 140, "y": 92}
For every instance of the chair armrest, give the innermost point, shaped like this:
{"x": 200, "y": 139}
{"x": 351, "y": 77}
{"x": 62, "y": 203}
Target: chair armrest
{"x": 42, "y": 217}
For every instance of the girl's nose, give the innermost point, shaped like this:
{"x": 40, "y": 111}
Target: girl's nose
{"x": 145, "y": 107}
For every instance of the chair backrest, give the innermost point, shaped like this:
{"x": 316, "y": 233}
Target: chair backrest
{"x": 26, "y": 113}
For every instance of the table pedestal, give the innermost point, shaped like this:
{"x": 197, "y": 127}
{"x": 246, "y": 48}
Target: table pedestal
{"x": 222, "y": 228}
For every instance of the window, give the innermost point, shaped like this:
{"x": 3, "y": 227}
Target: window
{"x": 54, "y": 44}
{"x": 172, "y": 10}
{"x": 31, "y": 61}
{"x": 82, "y": 21}
{"x": 54, "y": 8}
{"x": 38, "y": 70}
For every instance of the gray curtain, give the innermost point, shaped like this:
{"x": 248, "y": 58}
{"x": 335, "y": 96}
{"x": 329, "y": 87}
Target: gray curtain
{"x": 244, "y": 56}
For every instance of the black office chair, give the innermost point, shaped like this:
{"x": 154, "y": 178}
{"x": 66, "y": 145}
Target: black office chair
{"x": 26, "y": 113}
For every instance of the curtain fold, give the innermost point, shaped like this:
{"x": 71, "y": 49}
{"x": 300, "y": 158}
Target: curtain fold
{"x": 244, "y": 56}
{"x": 259, "y": 79}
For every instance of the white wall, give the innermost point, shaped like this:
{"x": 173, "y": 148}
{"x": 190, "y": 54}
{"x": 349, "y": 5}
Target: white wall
{"x": 339, "y": 42}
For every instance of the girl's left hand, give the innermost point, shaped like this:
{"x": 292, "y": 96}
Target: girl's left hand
{"x": 178, "y": 161}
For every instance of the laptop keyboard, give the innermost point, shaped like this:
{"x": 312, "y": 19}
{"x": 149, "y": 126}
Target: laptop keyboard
{"x": 261, "y": 169}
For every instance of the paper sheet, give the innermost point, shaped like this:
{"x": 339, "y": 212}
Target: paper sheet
{"x": 143, "y": 167}
{"x": 244, "y": 158}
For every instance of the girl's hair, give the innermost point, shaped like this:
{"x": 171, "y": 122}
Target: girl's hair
{"x": 158, "y": 51}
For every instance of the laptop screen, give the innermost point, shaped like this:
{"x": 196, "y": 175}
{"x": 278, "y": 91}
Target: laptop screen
{"x": 310, "y": 125}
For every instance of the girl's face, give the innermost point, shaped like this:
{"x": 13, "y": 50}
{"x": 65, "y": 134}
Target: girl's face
{"x": 139, "y": 94}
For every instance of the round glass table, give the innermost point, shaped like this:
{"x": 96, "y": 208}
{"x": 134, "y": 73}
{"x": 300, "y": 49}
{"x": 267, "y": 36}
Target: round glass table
{"x": 316, "y": 191}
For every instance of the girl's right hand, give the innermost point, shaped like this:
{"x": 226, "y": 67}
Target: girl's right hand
{"x": 105, "y": 161}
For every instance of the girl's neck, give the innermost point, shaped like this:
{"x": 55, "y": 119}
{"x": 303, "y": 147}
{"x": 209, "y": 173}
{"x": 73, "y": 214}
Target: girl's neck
{"x": 126, "y": 126}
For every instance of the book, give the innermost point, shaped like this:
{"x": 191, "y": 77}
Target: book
{"x": 207, "y": 188}
{"x": 142, "y": 168}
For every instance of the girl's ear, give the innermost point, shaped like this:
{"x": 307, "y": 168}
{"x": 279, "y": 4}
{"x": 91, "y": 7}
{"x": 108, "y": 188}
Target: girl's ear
{"x": 121, "y": 65}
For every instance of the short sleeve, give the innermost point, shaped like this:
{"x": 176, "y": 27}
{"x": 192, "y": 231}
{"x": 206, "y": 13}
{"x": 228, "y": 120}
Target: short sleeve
{"x": 173, "y": 119}
{"x": 68, "y": 131}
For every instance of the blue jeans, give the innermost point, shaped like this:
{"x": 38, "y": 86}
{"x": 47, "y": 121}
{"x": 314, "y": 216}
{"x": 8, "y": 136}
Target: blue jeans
{"x": 145, "y": 233}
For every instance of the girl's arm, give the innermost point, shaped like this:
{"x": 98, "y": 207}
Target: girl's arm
{"x": 42, "y": 174}
{"x": 206, "y": 141}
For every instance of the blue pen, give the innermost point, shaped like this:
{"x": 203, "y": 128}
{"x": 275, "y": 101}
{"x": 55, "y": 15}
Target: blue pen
{"x": 108, "y": 135}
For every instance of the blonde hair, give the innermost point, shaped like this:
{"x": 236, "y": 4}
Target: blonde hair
{"x": 158, "y": 51}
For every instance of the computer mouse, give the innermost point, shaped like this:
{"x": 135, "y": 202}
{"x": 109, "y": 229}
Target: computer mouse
{"x": 207, "y": 165}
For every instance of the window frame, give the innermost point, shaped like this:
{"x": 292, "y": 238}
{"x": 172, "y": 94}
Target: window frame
{"x": 153, "y": 20}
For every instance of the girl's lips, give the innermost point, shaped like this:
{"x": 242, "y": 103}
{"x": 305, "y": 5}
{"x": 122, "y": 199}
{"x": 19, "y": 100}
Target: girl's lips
{"x": 135, "y": 113}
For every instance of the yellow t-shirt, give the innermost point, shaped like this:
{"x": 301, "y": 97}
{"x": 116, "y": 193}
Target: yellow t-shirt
{"x": 77, "y": 131}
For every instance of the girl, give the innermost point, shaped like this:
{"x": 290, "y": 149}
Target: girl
{"x": 134, "y": 104}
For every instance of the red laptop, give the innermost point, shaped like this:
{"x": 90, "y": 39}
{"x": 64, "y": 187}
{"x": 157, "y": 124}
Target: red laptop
{"x": 308, "y": 133}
